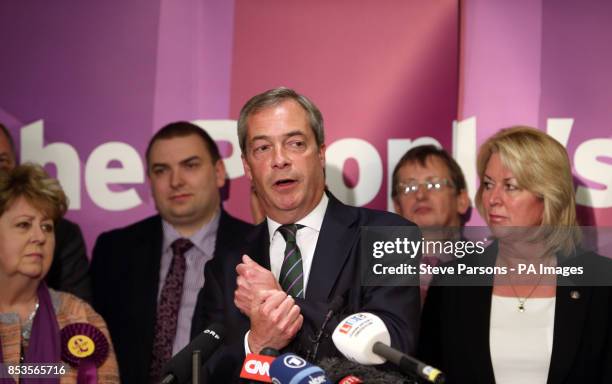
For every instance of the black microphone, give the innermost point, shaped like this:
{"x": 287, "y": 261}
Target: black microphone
{"x": 334, "y": 307}
{"x": 342, "y": 371}
{"x": 178, "y": 369}
{"x": 409, "y": 365}
{"x": 269, "y": 351}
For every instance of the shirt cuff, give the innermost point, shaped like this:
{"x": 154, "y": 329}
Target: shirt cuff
{"x": 247, "y": 350}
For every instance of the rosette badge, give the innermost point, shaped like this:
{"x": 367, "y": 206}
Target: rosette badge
{"x": 85, "y": 348}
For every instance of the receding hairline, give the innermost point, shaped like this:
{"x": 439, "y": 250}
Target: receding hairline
{"x": 274, "y": 104}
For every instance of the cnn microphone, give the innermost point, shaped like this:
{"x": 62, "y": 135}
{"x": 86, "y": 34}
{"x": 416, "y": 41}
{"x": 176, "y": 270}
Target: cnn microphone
{"x": 292, "y": 369}
{"x": 334, "y": 307}
{"x": 256, "y": 367}
{"x": 364, "y": 338}
{"x": 178, "y": 369}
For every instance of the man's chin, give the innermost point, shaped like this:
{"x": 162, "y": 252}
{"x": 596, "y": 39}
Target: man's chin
{"x": 424, "y": 221}
{"x": 179, "y": 216}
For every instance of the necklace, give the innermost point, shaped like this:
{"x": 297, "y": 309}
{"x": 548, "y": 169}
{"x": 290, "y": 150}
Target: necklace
{"x": 27, "y": 327}
{"x": 522, "y": 301}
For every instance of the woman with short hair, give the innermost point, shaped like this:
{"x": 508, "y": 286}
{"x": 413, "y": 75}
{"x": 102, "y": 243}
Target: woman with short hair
{"x": 40, "y": 326}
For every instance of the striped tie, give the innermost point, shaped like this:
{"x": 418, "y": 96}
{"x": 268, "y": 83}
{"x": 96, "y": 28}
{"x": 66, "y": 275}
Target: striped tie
{"x": 292, "y": 273}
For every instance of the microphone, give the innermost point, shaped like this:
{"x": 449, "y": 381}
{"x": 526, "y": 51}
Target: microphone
{"x": 292, "y": 369}
{"x": 409, "y": 365}
{"x": 178, "y": 369}
{"x": 256, "y": 367}
{"x": 334, "y": 307}
{"x": 364, "y": 338}
{"x": 355, "y": 337}
{"x": 269, "y": 351}
{"x": 342, "y": 371}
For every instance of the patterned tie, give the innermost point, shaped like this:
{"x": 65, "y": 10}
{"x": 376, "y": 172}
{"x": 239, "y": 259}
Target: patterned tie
{"x": 292, "y": 273}
{"x": 168, "y": 307}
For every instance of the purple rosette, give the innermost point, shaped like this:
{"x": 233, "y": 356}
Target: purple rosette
{"x": 84, "y": 347}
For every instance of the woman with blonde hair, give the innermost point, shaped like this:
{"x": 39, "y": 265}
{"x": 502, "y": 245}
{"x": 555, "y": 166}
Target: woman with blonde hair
{"x": 539, "y": 325}
{"x": 43, "y": 333}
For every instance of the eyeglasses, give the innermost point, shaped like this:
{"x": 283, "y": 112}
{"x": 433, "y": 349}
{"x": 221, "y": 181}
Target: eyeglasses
{"x": 430, "y": 185}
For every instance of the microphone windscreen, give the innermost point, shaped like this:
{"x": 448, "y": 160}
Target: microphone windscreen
{"x": 356, "y": 334}
{"x": 269, "y": 351}
{"x": 291, "y": 368}
{"x": 206, "y": 342}
{"x": 338, "y": 369}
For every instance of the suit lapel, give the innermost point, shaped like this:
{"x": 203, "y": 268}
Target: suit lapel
{"x": 258, "y": 245}
{"x": 475, "y": 330}
{"x": 339, "y": 234}
{"x": 476, "y": 319}
{"x": 570, "y": 311}
{"x": 150, "y": 249}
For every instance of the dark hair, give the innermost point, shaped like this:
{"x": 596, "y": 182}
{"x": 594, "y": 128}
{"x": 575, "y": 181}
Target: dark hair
{"x": 274, "y": 97}
{"x": 8, "y": 137}
{"x": 420, "y": 155}
{"x": 182, "y": 129}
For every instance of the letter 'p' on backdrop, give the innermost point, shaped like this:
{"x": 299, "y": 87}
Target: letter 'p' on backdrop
{"x": 84, "y": 85}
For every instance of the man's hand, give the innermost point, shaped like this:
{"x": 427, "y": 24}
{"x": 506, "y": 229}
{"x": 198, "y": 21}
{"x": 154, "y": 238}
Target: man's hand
{"x": 252, "y": 278}
{"x": 275, "y": 320}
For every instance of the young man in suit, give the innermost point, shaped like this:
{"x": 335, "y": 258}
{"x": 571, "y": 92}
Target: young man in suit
{"x": 304, "y": 254}
{"x": 68, "y": 270}
{"x": 147, "y": 276}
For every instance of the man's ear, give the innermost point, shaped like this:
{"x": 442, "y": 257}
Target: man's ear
{"x": 463, "y": 202}
{"x": 322, "y": 149}
{"x": 397, "y": 206}
{"x": 220, "y": 173}
{"x": 247, "y": 168}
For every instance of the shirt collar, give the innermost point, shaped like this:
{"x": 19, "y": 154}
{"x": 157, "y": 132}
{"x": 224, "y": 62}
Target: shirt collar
{"x": 199, "y": 238}
{"x": 313, "y": 220}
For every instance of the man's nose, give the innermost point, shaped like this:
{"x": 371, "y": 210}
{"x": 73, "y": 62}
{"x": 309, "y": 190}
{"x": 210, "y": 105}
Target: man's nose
{"x": 421, "y": 192}
{"x": 280, "y": 159}
{"x": 176, "y": 178}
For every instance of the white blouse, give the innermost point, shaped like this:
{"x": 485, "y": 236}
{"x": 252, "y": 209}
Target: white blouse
{"x": 521, "y": 342}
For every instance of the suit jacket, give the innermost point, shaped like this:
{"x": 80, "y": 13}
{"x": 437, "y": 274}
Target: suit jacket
{"x": 334, "y": 272}
{"x": 69, "y": 268}
{"x": 125, "y": 273}
{"x": 455, "y": 326}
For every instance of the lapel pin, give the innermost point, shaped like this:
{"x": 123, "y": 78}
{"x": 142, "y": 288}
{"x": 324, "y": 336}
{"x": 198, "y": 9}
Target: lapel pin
{"x": 575, "y": 295}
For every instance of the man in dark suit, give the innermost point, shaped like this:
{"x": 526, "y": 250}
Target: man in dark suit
{"x": 68, "y": 270}
{"x": 429, "y": 189}
{"x": 304, "y": 254}
{"x": 146, "y": 277}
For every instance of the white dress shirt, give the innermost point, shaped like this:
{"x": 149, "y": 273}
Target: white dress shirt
{"x": 306, "y": 239}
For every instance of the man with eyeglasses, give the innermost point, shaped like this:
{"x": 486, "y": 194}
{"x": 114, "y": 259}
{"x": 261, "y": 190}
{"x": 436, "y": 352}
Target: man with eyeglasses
{"x": 429, "y": 189}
